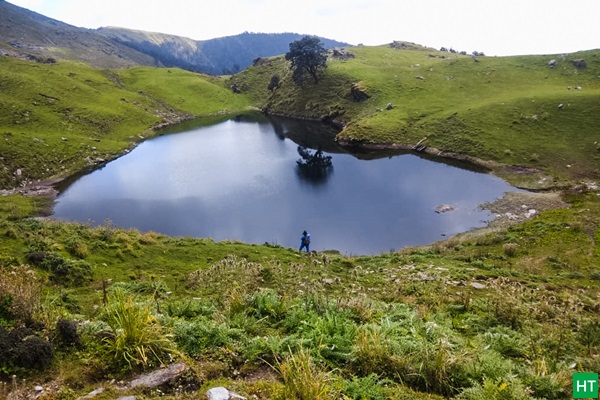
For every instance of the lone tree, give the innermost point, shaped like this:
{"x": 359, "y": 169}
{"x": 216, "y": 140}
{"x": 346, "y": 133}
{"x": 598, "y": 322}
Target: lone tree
{"x": 307, "y": 56}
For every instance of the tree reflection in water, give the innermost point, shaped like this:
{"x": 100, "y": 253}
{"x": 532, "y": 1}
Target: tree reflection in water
{"x": 313, "y": 167}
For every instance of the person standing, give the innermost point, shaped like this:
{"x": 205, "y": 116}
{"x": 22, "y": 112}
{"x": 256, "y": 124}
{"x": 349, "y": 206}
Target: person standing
{"x": 305, "y": 242}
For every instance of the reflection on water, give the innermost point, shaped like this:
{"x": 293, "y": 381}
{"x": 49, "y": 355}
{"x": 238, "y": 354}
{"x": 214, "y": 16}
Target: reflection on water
{"x": 242, "y": 180}
{"x": 313, "y": 166}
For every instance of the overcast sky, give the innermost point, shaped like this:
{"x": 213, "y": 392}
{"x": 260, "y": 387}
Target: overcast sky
{"x": 496, "y": 27}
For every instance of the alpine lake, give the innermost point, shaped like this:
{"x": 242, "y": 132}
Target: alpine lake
{"x": 263, "y": 180}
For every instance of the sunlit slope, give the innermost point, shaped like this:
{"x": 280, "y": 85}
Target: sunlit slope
{"x": 193, "y": 93}
{"x": 515, "y": 110}
{"x": 56, "y": 119}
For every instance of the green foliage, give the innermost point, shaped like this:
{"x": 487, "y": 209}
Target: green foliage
{"x": 202, "y": 334}
{"x": 20, "y": 293}
{"x": 266, "y": 304}
{"x": 303, "y": 379}
{"x": 153, "y": 287}
{"x": 62, "y": 270}
{"x": 368, "y": 387}
{"x": 271, "y": 348}
{"x": 548, "y": 387}
{"x": 498, "y": 389}
{"x": 331, "y": 336}
{"x": 505, "y": 341}
{"x": 189, "y": 309}
{"x": 136, "y": 337}
{"x": 307, "y": 56}
{"x": 589, "y": 335}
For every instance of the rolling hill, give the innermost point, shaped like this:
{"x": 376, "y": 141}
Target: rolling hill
{"x": 27, "y": 34}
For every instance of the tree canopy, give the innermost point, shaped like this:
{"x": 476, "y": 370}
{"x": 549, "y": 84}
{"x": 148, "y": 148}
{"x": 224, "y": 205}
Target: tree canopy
{"x": 308, "y": 56}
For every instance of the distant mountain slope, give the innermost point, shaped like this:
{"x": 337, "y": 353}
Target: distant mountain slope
{"x": 27, "y": 34}
{"x": 224, "y": 55}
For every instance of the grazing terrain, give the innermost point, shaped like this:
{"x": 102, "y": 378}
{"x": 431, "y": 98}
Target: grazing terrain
{"x": 506, "y": 312}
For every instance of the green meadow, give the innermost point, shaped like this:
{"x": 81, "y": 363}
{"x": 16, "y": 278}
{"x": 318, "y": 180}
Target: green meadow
{"x": 57, "y": 119}
{"x": 506, "y": 312}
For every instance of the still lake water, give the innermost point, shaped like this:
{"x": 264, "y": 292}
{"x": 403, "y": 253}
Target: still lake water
{"x": 240, "y": 180}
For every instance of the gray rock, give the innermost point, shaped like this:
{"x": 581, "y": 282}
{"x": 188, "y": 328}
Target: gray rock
{"x": 159, "y": 377}
{"x": 221, "y": 393}
{"x": 579, "y": 64}
{"x": 93, "y": 393}
{"x": 424, "y": 277}
{"x": 358, "y": 94}
{"x": 444, "y": 208}
{"x": 477, "y": 285}
{"x": 127, "y": 398}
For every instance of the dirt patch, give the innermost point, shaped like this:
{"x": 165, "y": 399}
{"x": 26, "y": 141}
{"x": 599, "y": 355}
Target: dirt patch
{"x": 520, "y": 206}
{"x": 515, "y": 208}
{"x": 260, "y": 374}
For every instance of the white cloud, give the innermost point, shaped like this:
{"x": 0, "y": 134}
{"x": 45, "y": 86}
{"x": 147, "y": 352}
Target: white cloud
{"x": 496, "y": 27}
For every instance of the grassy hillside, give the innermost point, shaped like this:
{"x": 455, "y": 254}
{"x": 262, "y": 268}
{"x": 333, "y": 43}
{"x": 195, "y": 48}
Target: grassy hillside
{"x": 57, "y": 119}
{"x": 511, "y": 110}
{"x": 27, "y": 34}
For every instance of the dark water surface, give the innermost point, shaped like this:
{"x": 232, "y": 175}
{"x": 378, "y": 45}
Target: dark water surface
{"x": 240, "y": 180}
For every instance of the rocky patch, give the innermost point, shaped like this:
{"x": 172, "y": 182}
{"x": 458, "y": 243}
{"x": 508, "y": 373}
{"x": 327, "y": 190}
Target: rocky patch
{"x": 444, "y": 208}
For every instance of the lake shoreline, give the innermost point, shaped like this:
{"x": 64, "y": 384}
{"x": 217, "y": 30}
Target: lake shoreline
{"x": 522, "y": 177}
{"x": 51, "y": 188}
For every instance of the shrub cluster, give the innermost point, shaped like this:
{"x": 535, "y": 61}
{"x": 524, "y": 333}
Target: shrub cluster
{"x": 19, "y": 294}
{"x": 20, "y": 348}
{"x": 62, "y": 270}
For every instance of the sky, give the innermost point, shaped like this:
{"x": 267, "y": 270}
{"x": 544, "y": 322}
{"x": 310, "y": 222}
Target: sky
{"x": 495, "y": 27}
